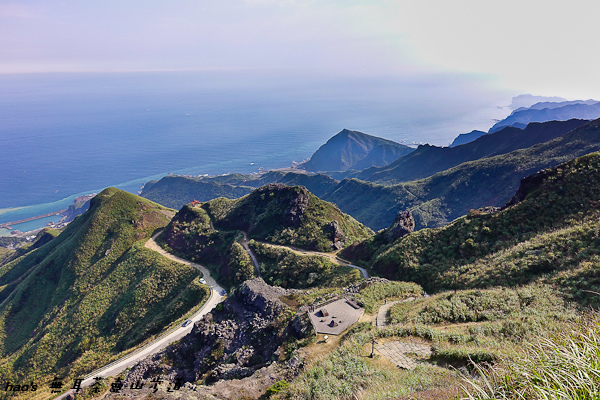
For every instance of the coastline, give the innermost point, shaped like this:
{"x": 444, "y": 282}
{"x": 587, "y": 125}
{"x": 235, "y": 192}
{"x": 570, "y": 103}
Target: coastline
{"x": 8, "y": 225}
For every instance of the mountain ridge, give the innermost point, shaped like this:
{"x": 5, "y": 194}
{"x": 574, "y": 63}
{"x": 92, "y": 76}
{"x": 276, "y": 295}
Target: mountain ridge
{"x": 447, "y": 195}
{"x": 354, "y": 150}
{"x": 427, "y": 160}
{"x": 564, "y": 112}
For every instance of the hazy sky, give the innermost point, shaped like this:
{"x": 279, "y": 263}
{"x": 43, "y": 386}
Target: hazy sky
{"x": 540, "y": 47}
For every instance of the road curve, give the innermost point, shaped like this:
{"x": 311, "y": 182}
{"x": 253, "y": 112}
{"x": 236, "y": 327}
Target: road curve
{"x": 331, "y": 256}
{"x": 165, "y": 340}
{"x": 244, "y": 243}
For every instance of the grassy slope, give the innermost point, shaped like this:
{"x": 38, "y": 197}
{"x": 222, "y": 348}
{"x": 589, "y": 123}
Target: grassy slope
{"x": 176, "y": 191}
{"x": 43, "y": 237}
{"x": 92, "y": 292}
{"x": 464, "y": 326}
{"x": 447, "y": 195}
{"x": 263, "y": 215}
{"x": 190, "y": 234}
{"x": 207, "y": 233}
{"x": 281, "y": 267}
{"x": 551, "y": 236}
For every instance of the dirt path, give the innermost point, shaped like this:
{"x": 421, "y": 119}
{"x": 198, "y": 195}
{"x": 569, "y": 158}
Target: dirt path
{"x": 163, "y": 341}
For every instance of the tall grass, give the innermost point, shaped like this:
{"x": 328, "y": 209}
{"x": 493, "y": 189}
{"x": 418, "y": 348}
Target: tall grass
{"x": 562, "y": 366}
{"x": 374, "y": 293}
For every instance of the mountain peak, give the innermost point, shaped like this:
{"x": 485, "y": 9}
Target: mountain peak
{"x": 350, "y": 149}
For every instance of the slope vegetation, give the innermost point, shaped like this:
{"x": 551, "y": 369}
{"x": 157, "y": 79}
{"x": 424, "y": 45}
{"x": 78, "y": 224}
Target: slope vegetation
{"x": 288, "y": 215}
{"x": 94, "y": 291}
{"x": 548, "y": 233}
{"x": 176, "y": 191}
{"x": 447, "y": 195}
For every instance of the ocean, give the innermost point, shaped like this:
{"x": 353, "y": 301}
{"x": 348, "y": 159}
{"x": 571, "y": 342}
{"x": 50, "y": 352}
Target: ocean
{"x": 64, "y": 135}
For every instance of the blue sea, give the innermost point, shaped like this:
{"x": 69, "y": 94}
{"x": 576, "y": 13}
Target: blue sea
{"x": 64, "y": 135}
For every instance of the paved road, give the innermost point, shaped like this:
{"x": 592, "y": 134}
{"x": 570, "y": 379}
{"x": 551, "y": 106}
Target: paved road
{"x": 162, "y": 342}
{"x": 363, "y": 271}
{"x": 244, "y": 244}
{"x": 331, "y": 256}
{"x": 384, "y": 309}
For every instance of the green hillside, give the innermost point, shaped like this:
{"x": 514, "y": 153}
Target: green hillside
{"x": 447, "y": 195}
{"x": 191, "y": 235}
{"x": 176, "y": 191}
{"x": 92, "y": 292}
{"x": 43, "y": 237}
{"x": 290, "y": 215}
{"x": 549, "y": 235}
{"x": 285, "y": 268}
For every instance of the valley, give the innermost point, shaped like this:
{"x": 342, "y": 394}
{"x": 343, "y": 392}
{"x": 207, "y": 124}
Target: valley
{"x": 493, "y": 248}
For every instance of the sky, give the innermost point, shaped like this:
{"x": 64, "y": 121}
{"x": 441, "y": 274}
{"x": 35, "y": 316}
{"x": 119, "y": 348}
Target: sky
{"x": 526, "y": 46}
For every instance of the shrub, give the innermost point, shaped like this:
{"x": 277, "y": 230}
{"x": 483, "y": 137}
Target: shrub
{"x": 277, "y": 387}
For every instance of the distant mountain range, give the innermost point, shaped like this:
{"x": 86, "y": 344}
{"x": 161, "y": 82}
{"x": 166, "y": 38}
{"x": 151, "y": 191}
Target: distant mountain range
{"x": 551, "y": 104}
{"x": 175, "y": 191}
{"x": 449, "y": 194}
{"x": 438, "y": 184}
{"x": 542, "y": 112}
{"x": 527, "y": 100}
{"x": 467, "y": 137}
{"x": 547, "y": 233}
{"x": 428, "y": 160}
{"x": 354, "y": 150}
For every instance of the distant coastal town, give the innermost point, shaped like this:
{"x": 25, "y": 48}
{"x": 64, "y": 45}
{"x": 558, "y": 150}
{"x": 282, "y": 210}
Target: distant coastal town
{"x": 79, "y": 206}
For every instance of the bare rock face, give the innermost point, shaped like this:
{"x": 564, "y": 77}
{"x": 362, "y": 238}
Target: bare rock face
{"x": 402, "y": 225}
{"x": 527, "y": 185}
{"x": 261, "y": 298}
{"x": 336, "y": 234}
{"x": 240, "y": 341}
{"x": 298, "y": 204}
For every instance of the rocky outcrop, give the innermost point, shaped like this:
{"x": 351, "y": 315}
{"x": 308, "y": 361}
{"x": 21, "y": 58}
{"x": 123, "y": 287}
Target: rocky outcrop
{"x": 528, "y": 185}
{"x": 298, "y": 205}
{"x": 242, "y": 339}
{"x": 336, "y": 234}
{"x": 402, "y": 225}
{"x": 260, "y": 298}
{"x": 79, "y": 206}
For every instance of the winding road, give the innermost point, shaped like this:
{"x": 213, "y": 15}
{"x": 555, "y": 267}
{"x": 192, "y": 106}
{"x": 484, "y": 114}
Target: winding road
{"x": 333, "y": 257}
{"x": 160, "y": 343}
{"x": 215, "y": 298}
